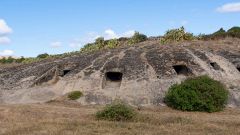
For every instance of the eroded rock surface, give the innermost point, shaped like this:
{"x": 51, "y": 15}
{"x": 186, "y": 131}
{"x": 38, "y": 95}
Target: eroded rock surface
{"x": 139, "y": 74}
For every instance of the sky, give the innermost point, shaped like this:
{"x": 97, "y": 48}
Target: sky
{"x": 32, "y": 27}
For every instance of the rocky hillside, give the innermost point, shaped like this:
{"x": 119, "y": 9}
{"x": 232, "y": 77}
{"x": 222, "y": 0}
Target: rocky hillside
{"x": 139, "y": 74}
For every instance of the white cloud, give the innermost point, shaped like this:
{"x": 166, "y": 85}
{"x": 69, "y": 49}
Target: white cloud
{"x": 229, "y": 7}
{"x": 4, "y": 40}
{"x": 6, "y": 53}
{"x": 110, "y": 34}
{"x": 4, "y": 31}
{"x": 56, "y": 44}
{"x": 4, "y": 28}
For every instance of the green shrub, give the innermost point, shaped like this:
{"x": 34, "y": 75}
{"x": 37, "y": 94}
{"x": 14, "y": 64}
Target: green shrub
{"x": 7, "y": 60}
{"x": 221, "y": 31}
{"x": 137, "y": 38}
{"x": 176, "y": 35}
{"x": 113, "y": 43}
{"x": 20, "y": 60}
{"x": 100, "y": 43}
{"x": 10, "y": 60}
{"x": 197, "y": 94}
{"x": 43, "y": 56}
{"x": 74, "y": 95}
{"x": 234, "y": 32}
{"x": 116, "y": 112}
{"x": 89, "y": 48}
{"x": 97, "y": 45}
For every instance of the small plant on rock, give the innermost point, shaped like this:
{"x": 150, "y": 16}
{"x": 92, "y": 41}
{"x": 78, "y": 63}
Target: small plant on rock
{"x": 113, "y": 43}
{"x": 74, "y": 95}
{"x": 116, "y": 112}
{"x": 100, "y": 42}
{"x": 137, "y": 38}
{"x": 197, "y": 94}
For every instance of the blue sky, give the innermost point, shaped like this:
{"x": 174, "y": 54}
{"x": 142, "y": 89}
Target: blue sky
{"x": 31, "y": 27}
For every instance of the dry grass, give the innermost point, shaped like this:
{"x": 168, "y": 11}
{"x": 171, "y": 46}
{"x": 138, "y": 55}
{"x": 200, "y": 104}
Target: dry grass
{"x": 73, "y": 119}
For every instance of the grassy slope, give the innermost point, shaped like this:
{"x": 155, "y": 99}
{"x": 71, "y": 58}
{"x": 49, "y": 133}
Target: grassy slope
{"x": 72, "y": 119}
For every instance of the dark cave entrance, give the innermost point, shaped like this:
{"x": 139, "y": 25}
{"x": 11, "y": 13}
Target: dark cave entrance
{"x": 215, "y": 65}
{"x": 65, "y": 72}
{"x": 182, "y": 70}
{"x": 114, "y": 76}
{"x": 113, "y": 79}
{"x": 238, "y": 68}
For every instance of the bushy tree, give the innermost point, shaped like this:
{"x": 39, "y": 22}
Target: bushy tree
{"x": 7, "y": 60}
{"x": 89, "y": 47}
{"x": 197, "y": 94}
{"x": 100, "y": 42}
{"x": 97, "y": 45}
{"x": 234, "y": 32}
{"x": 3, "y": 60}
{"x": 176, "y": 35}
{"x": 221, "y": 31}
{"x": 43, "y": 56}
{"x": 20, "y": 60}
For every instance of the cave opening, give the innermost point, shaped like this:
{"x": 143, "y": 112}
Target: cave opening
{"x": 64, "y": 72}
{"x": 113, "y": 80}
{"x": 114, "y": 76}
{"x": 215, "y": 65}
{"x": 238, "y": 68}
{"x": 182, "y": 70}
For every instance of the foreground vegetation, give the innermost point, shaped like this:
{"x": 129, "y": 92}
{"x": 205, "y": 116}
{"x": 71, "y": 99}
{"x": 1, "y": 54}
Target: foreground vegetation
{"x": 117, "y": 111}
{"x": 171, "y": 36}
{"x": 73, "y": 119}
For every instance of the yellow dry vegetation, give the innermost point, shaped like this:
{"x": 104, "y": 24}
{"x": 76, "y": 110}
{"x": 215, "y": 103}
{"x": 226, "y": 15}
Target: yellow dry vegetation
{"x": 74, "y": 119}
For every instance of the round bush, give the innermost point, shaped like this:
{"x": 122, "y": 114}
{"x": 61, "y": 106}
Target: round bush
{"x": 74, "y": 95}
{"x": 116, "y": 112}
{"x": 197, "y": 94}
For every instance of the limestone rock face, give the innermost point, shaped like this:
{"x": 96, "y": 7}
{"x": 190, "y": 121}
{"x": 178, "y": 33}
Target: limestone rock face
{"x": 138, "y": 74}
